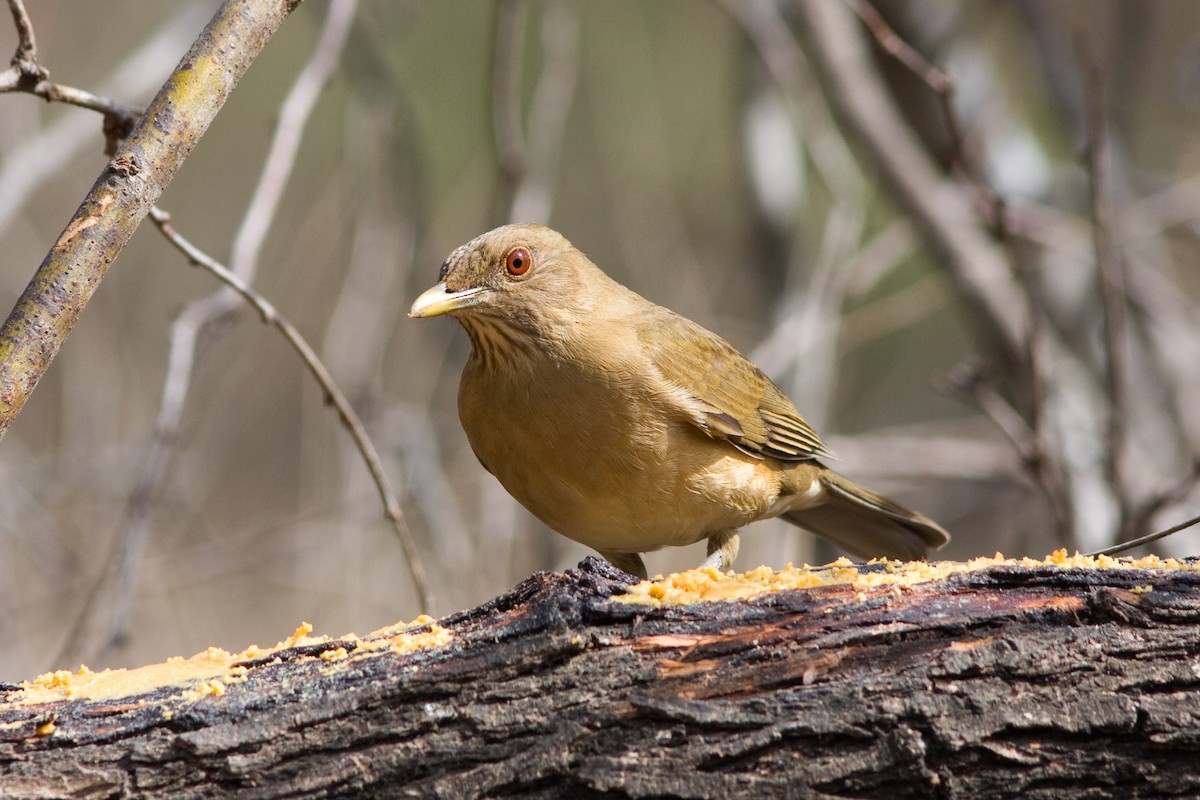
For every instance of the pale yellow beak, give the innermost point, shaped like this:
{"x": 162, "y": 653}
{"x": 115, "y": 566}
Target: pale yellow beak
{"x": 439, "y": 300}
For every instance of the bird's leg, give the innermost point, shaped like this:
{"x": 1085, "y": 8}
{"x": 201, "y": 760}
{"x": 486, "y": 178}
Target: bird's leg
{"x": 722, "y": 550}
{"x": 629, "y": 562}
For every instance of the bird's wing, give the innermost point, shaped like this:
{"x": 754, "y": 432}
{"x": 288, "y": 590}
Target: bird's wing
{"x": 723, "y": 394}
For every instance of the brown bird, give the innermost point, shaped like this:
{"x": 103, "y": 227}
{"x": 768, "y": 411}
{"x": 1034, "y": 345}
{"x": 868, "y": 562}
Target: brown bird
{"x": 626, "y": 427}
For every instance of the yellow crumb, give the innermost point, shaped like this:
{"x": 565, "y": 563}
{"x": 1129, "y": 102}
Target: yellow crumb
{"x": 436, "y": 636}
{"x": 213, "y": 688}
{"x": 706, "y": 585}
{"x": 211, "y": 672}
{"x": 402, "y": 638}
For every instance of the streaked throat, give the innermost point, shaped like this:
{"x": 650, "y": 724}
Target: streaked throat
{"x": 498, "y": 343}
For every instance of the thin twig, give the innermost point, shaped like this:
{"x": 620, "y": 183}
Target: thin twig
{"x": 200, "y": 315}
{"x": 901, "y": 50}
{"x": 1147, "y": 539}
{"x": 1172, "y": 325}
{"x": 1173, "y": 493}
{"x": 805, "y": 337}
{"x": 57, "y": 92}
{"x": 26, "y": 75}
{"x": 155, "y": 162}
{"x": 966, "y": 158}
{"x": 787, "y": 66}
{"x": 1030, "y": 374}
{"x": 333, "y": 394}
{"x": 32, "y": 163}
{"x": 119, "y": 118}
{"x": 940, "y": 207}
{"x": 1113, "y": 296}
{"x": 293, "y": 120}
{"x": 878, "y": 319}
{"x": 26, "y": 43}
{"x": 1033, "y": 386}
{"x": 967, "y": 382}
{"x": 122, "y": 194}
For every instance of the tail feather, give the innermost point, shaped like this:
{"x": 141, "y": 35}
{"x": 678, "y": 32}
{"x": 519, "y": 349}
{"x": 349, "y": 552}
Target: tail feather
{"x": 867, "y": 524}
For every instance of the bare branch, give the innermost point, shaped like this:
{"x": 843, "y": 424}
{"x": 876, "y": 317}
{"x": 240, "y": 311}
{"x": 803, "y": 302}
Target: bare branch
{"x": 1174, "y": 492}
{"x": 878, "y": 319}
{"x": 333, "y": 394}
{"x": 26, "y": 43}
{"x": 1141, "y": 540}
{"x": 293, "y": 120}
{"x": 938, "y": 207}
{"x": 804, "y": 340}
{"x": 123, "y": 115}
{"x": 1037, "y": 345}
{"x": 888, "y": 39}
{"x": 991, "y": 205}
{"x": 26, "y": 75}
{"x": 32, "y": 163}
{"x": 201, "y": 314}
{"x": 122, "y": 195}
{"x": 787, "y": 66}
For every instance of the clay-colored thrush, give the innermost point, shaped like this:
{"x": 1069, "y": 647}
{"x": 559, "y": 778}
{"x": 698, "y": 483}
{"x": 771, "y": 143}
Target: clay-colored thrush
{"x": 627, "y": 427}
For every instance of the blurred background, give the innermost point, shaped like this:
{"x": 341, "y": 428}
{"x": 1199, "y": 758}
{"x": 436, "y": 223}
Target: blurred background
{"x": 694, "y": 151}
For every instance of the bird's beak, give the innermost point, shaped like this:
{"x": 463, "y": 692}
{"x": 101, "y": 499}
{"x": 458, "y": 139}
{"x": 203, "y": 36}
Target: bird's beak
{"x": 439, "y": 300}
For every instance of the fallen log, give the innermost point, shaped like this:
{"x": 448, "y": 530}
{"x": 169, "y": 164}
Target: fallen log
{"x": 1066, "y": 677}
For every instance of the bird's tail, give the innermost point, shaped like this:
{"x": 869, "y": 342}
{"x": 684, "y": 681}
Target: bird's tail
{"x": 866, "y": 524}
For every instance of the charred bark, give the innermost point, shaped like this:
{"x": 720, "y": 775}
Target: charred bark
{"x": 1002, "y": 682}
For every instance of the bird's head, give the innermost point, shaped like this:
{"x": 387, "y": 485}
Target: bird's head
{"x": 521, "y": 281}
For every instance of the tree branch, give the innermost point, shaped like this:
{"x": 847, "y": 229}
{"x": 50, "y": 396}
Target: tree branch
{"x": 939, "y": 207}
{"x": 25, "y": 58}
{"x": 201, "y": 314}
{"x": 995, "y": 679}
{"x": 333, "y": 394}
{"x": 124, "y": 192}
{"x": 33, "y": 163}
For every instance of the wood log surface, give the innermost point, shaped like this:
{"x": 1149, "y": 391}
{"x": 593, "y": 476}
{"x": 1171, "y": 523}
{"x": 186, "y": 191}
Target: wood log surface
{"x": 1006, "y": 679}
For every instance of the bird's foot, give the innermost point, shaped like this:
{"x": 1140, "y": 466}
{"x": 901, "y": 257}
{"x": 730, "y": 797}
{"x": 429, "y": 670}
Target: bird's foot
{"x": 629, "y": 562}
{"x": 722, "y": 550}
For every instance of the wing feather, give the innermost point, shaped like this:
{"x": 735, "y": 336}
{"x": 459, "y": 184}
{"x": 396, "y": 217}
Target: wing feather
{"x": 725, "y": 395}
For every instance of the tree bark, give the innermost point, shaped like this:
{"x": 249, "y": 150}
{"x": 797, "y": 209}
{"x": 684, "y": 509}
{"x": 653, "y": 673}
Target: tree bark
{"x": 1000, "y": 682}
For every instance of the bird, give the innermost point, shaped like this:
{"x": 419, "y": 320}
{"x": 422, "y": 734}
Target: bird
{"x": 627, "y": 427}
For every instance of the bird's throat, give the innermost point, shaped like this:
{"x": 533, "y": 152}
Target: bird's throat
{"x": 499, "y": 345}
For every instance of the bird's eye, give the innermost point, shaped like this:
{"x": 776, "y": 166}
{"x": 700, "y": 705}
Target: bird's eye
{"x": 518, "y": 261}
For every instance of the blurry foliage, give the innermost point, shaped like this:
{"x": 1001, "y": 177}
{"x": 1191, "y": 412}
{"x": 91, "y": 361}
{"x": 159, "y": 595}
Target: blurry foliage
{"x": 267, "y": 516}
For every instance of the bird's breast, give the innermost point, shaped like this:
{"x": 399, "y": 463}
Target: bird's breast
{"x": 600, "y": 458}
